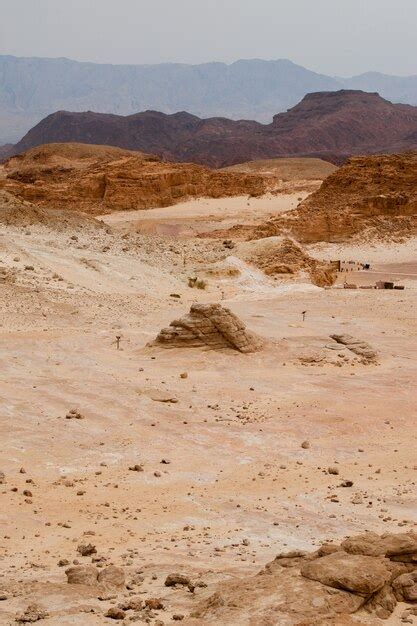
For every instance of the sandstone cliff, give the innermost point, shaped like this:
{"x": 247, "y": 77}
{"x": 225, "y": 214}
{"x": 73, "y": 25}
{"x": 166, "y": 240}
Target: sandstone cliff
{"x": 99, "y": 179}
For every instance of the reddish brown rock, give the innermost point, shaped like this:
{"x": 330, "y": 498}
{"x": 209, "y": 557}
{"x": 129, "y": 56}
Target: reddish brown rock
{"x": 100, "y": 179}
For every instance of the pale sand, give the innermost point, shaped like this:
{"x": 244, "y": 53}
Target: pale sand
{"x": 204, "y": 214}
{"x": 238, "y": 419}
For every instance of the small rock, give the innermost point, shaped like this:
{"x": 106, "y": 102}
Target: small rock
{"x": 74, "y": 414}
{"x": 136, "y": 468}
{"x": 86, "y": 549}
{"x": 179, "y": 579}
{"x": 155, "y": 604}
{"x": 33, "y": 613}
{"x": 333, "y": 470}
{"x": 115, "y": 613}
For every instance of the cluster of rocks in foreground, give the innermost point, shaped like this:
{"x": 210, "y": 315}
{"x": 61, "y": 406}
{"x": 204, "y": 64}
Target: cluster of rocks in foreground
{"x": 368, "y": 574}
{"x": 363, "y": 578}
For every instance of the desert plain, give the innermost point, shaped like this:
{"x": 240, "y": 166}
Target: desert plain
{"x": 186, "y": 459}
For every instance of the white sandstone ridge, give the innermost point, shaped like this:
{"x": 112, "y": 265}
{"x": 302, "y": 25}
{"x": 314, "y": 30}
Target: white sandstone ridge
{"x": 212, "y": 326}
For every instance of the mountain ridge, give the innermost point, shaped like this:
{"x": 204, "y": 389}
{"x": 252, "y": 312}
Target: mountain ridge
{"x": 33, "y": 87}
{"x": 330, "y": 125}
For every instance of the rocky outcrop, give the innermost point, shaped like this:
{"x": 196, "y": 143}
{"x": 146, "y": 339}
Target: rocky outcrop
{"x": 328, "y": 586}
{"x": 333, "y": 125}
{"x": 99, "y": 179}
{"x": 211, "y": 326}
{"x": 368, "y": 197}
{"x": 361, "y": 348}
{"x": 351, "y": 572}
{"x": 278, "y": 256}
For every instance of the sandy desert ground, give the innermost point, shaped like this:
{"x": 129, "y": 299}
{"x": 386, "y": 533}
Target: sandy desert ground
{"x": 222, "y": 482}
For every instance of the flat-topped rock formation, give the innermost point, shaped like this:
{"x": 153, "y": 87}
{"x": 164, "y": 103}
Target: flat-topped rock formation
{"x": 100, "y": 179}
{"x": 210, "y": 325}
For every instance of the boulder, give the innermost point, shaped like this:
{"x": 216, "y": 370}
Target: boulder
{"x": 405, "y": 587}
{"x": 356, "y": 573}
{"x": 172, "y": 580}
{"x": 402, "y": 545}
{"x": 82, "y": 575}
{"x": 112, "y": 576}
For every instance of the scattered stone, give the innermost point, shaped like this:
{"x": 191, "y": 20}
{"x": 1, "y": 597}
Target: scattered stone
{"x": 155, "y": 604}
{"x": 305, "y": 445}
{"x": 333, "y": 470}
{"x": 86, "y": 549}
{"x": 33, "y": 613}
{"x": 172, "y": 580}
{"x": 158, "y": 395}
{"x": 115, "y": 613}
{"x": 74, "y": 414}
{"x": 136, "y": 468}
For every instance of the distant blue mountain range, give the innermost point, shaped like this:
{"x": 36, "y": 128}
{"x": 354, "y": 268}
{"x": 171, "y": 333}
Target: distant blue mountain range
{"x": 32, "y": 88}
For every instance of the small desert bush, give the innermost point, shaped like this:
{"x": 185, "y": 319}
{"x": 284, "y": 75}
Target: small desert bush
{"x": 196, "y": 283}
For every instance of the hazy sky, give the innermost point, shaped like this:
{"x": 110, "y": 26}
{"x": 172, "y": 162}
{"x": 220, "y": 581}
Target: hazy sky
{"x": 331, "y": 36}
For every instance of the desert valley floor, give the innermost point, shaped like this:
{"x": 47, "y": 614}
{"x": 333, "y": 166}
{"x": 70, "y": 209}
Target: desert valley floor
{"x": 203, "y": 462}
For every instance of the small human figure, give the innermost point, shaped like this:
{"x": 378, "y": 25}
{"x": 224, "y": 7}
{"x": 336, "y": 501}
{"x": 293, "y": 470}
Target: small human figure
{"x": 304, "y": 315}
{"x": 118, "y": 338}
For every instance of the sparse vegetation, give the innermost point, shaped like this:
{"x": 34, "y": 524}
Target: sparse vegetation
{"x": 197, "y": 283}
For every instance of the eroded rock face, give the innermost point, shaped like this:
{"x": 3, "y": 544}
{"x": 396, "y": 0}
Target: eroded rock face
{"x": 280, "y": 255}
{"x": 100, "y": 179}
{"x": 209, "y": 325}
{"x": 370, "y": 197}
